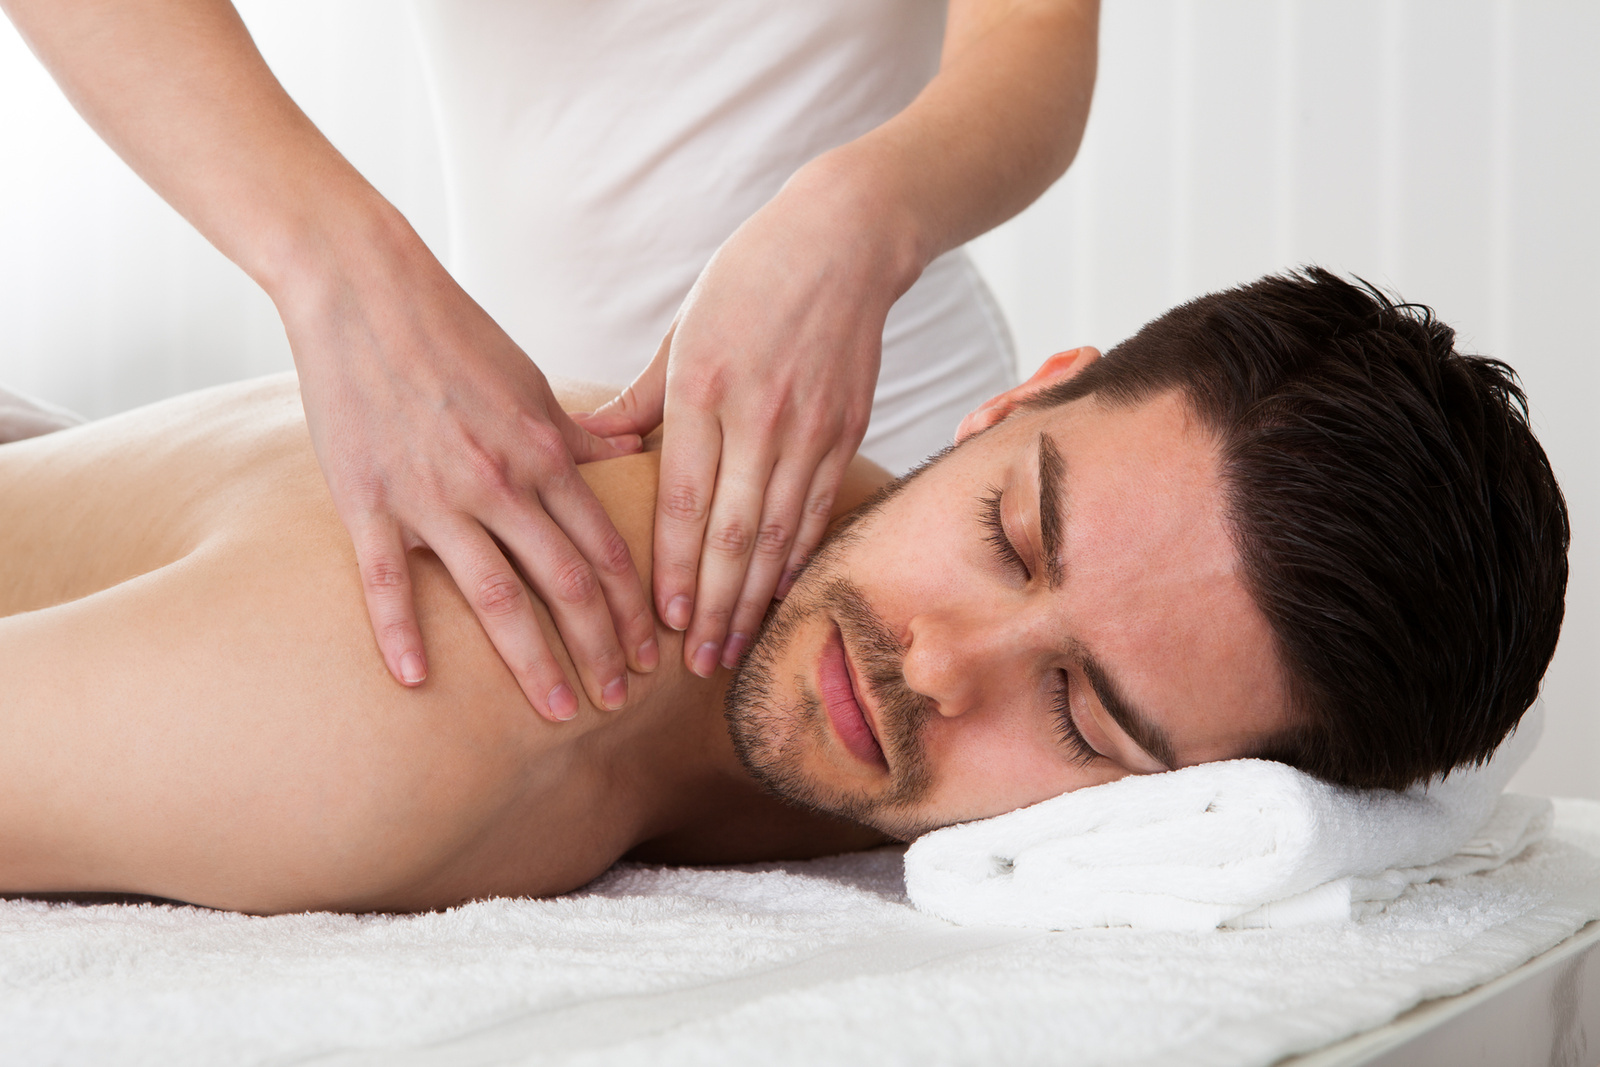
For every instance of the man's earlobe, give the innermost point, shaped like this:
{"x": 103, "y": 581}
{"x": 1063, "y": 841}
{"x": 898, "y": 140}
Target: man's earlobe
{"x": 1059, "y": 367}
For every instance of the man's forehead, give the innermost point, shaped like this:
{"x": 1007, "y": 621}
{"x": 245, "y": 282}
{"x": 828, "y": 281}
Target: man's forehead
{"x": 1162, "y": 410}
{"x": 1132, "y": 481}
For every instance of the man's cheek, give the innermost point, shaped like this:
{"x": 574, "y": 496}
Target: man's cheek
{"x": 910, "y": 574}
{"x": 979, "y": 776}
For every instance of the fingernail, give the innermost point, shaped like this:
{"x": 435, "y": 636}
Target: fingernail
{"x": 563, "y": 704}
{"x": 733, "y": 650}
{"x": 627, "y": 442}
{"x": 679, "y": 612}
{"x": 615, "y": 694}
{"x": 705, "y": 660}
{"x": 783, "y": 585}
{"x": 649, "y": 655}
{"x": 412, "y": 669}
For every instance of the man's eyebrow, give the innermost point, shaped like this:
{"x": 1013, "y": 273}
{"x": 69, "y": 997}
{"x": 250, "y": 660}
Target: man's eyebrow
{"x": 1052, "y": 503}
{"x": 1135, "y": 723}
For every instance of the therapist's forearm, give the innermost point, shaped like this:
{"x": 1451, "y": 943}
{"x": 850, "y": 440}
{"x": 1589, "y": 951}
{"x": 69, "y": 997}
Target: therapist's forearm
{"x": 178, "y": 89}
{"x": 1000, "y": 122}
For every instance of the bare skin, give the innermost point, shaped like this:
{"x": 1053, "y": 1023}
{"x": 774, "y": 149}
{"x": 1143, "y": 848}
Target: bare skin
{"x": 184, "y": 615}
{"x": 433, "y": 428}
{"x": 194, "y": 708}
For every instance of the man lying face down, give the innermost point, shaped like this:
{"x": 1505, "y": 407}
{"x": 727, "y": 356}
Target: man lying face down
{"x": 1283, "y": 521}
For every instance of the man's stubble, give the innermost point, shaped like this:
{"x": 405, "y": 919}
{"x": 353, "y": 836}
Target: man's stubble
{"x": 773, "y": 734}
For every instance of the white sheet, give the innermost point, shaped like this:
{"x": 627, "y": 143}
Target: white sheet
{"x": 803, "y": 963}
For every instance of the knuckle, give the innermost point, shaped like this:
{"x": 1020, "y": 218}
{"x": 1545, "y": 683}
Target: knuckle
{"x": 638, "y": 627}
{"x": 573, "y": 582}
{"x": 613, "y": 556}
{"x": 730, "y": 539}
{"x": 772, "y": 540}
{"x": 714, "y": 617}
{"x": 607, "y": 665}
{"x": 365, "y": 490}
{"x": 395, "y": 633}
{"x": 677, "y": 574}
{"x": 684, "y": 504}
{"x": 819, "y": 508}
{"x": 498, "y": 595}
{"x": 748, "y": 615}
{"x": 539, "y": 671}
{"x": 487, "y": 466}
{"x": 546, "y": 446}
{"x": 384, "y": 576}
{"x": 702, "y": 387}
{"x": 767, "y": 409}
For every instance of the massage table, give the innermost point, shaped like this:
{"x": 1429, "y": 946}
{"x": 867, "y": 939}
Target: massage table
{"x": 815, "y": 962}
{"x": 1545, "y": 1013}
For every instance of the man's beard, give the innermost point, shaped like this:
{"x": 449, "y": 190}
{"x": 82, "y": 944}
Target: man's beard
{"x": 772, "y": 739}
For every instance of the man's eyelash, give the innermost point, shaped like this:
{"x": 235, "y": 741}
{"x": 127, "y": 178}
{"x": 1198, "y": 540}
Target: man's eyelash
{"x": 1081, "y": 753}
{"x": 989, "y": 515}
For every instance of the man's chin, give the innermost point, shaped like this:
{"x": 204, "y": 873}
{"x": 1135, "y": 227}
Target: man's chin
{"x": 772, "y": 742}
{"x": 795, "y": 787}
{"x": 902, "y": 826}
{"x": 773, "y": 750}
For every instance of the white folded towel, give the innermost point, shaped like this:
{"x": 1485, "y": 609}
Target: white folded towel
{"x": 1238, "y": 843}
{"x": 23, "y": 417}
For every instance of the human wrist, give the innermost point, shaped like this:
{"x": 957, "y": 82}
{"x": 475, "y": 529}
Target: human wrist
{"x": 344, "y": 242}
{"x": 860, "y": 198}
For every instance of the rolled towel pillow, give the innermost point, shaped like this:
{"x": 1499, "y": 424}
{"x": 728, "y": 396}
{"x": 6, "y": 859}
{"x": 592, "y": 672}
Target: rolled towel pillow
{"x": 1241, "y": 843}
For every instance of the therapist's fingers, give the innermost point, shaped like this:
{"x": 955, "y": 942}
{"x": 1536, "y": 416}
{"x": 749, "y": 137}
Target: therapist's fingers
{"x": 581, "y": 567}
{"x": 638, "y": 408}
{"x": 786, "y": 492}
{"x": 582, "y": 446}
{"x": 572, "y": 593}
{"x": 386, "y": 584}
{"x": 690, "y": 455}
{"x": 814, "y": 516}
{"x": 504, "y": 609}
{"x": 584, "y": 522}
{"x": 735, "y": 537}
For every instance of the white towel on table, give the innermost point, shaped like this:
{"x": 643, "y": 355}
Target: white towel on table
{"x": 782, "y": 965}
{"x": 1243, "y": 843}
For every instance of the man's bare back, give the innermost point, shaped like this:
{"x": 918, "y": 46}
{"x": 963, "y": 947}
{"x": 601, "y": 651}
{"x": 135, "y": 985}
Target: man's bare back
{"x": 193, "y": 705}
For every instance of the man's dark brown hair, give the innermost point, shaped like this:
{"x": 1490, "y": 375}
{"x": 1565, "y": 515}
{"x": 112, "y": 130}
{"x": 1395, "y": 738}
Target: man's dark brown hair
{"x": 1396, "y": 519}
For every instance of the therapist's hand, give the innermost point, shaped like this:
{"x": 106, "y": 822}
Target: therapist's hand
{"x": 764, "y": 385}
{"x": 434, "y": 429}
{"x": 431, "y": 426}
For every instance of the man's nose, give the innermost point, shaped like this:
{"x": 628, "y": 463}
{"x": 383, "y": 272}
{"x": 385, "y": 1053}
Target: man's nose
{"x": 957, "y": 660}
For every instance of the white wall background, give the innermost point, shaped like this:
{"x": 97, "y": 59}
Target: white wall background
{"x": 1447, "y": 148}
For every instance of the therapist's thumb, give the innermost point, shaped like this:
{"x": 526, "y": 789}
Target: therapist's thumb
{"x": 587, "y": 447}
{"x": 638, "y": 408}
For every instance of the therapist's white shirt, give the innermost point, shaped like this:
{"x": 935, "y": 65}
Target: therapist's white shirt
{"x": 598, "y": 151}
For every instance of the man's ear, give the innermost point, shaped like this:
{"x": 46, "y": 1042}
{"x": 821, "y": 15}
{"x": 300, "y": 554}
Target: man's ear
{"x": 1057, "y": 368}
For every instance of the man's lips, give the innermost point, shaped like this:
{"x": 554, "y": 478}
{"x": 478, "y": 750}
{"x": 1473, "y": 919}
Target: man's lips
{"x": 845, "y": 709}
